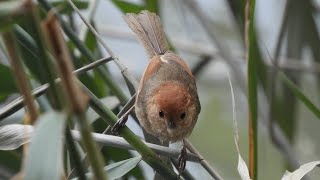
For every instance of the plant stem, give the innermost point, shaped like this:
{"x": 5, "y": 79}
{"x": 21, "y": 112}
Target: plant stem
{"x": 93, "y": 154}
{"x": 75, "y": 157}
{"x": 252, "y": 88}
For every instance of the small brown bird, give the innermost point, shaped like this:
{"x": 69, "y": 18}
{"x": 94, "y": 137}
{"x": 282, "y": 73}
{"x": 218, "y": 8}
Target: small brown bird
{"x": 167, "y": 103}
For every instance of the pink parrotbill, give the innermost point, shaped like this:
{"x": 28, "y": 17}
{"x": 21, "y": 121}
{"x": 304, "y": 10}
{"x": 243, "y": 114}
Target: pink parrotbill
{"x": 167, "y": 103}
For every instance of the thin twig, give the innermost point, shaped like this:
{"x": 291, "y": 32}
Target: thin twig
{"x": 203, "y": 62}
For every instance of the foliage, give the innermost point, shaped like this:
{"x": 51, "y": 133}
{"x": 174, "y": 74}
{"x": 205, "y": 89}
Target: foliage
{"x": 94, "y": 101}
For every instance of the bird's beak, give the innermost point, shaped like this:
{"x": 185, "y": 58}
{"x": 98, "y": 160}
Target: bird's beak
{"x": 171, "y": 124}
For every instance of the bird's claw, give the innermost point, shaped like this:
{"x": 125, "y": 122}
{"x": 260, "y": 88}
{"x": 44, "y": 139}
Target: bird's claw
{"x": 118, "y": 125}
{"x": 182, "y": 160}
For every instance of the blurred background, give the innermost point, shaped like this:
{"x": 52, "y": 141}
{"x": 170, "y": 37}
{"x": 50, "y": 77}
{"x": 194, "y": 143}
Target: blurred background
{"x": 213, "y": 135}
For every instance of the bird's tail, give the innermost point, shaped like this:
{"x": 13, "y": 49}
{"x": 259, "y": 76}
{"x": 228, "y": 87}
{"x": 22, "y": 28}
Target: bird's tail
{"x": 148, "y": 29}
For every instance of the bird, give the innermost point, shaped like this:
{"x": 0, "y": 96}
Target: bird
{"x": 167, "y": 103}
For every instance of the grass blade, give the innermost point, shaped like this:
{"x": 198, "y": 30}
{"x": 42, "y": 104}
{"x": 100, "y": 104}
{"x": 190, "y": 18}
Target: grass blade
{"x": 119, "y": 169}
{"x": 252, "y": 89}
{"x": 300, "y": 172}
{"x": 14, "y": 135}
{"x": 7, "y": 79}
{"x": 299, "y": 94}
{"x": 44, "y": 160}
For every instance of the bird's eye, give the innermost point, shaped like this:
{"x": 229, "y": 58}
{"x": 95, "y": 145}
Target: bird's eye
{"x": 183, "y": 115}
{"x": 161, "y": 114}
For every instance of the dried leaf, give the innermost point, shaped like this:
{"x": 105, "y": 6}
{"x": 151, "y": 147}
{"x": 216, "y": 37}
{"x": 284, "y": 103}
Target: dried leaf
{"x": 14, "y": 135}
{"x": 299, "y": 173}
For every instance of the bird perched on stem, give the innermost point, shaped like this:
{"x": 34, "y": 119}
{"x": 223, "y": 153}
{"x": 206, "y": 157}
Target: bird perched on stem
{"x": 167, "y": 103}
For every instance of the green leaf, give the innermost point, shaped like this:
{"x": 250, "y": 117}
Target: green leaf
{"x": 65, "y": 8}
{"x": 7, "y": 82}
{"x": 112, "y": 154}
{"x": 119, "y": 169}
{"x": 29, "y": 53}
{"x": 299, "y": 94}
{"x": 44, "y": 160}
{"x": 300, "y": 172}
{"x": 92, "y": 80}
{"x": 152, "y": 5}
{"x": 127, "y": 7}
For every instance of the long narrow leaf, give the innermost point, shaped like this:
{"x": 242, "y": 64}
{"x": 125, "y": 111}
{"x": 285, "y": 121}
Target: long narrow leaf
{"x": 302, "y": 171}
{"x": 242, "y": 166}
{"x": 299, "y": 94}
{"x": 14, "y": 135}
{"x": 44, "y": 160}
{"x": 7, "y": 82}
{"x": 252, "y": 91}
{"x": 128, "y": 7}
{"x": 119, "y": 169}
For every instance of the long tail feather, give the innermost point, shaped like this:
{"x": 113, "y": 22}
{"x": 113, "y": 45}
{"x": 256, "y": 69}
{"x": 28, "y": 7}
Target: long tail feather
{"x": 147, "y": 27}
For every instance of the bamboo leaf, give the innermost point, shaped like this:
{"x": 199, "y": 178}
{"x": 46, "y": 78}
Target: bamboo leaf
{"x": 302, "y": 171}
{"x": 119, "y": 169}
{"x": 29, "y": 53}
{"x": 64, "y": 7}
{"x": 14, "y": 135}
{"x": 128, "y": 7}
{"x": 242, "y": 166}
{"x": 44, "y": 160}
{"x": 299, "y": 94}
{"x": 152, "y": 5}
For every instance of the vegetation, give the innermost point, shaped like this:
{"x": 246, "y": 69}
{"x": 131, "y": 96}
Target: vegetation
{"x": 71, "y": 101}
